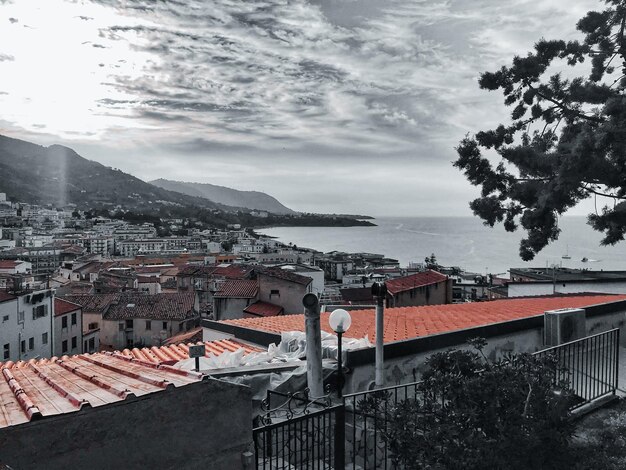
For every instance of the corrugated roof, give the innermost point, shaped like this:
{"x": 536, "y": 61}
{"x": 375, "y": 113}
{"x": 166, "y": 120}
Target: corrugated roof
{"x": 263, "y": 309}
{"x": 36, "y": 389}
{"x": 178, "y": 352}
{"x": 61, "y": 307}
{"x": 401, "y": 284}
{"x": 238, "y": 289}
{"x": 411, "y": 322}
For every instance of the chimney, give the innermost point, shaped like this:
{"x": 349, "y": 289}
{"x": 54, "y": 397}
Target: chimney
{"x": 313, "y": 345}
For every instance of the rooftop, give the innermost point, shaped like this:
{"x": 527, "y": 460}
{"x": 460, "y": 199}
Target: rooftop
{"x": 286, "y": 275}
{"x": 127, "y": 305}
{"x": 238, "y": 289}
{"x": 263, "y": 309}
{"x": 401, "y": 284}
{"x": 36, "y": 389}
{"x": 61, "y": 307}
{"x": 178, "y": 352}
{"x": 410, "y": 322}
{"x": 566, "y": 274}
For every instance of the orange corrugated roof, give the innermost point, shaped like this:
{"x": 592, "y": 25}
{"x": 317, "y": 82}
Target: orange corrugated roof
{"x": 410, "y": 322}
{"x": 35, "y": 389}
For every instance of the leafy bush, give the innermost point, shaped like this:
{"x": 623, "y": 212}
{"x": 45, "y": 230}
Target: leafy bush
{"x": 476, "y": 414}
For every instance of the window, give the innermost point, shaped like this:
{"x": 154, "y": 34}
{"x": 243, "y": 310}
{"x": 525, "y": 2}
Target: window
{"x": 64, "y": 346}
{"x": 5, "y": 318}
{"x": 44, "y": 338}
{"x": 20, "y": 316}
{"x": 23, "y": 345}
{"x": 74, "y": 343}
{"x": 130, "y": 343}
{"x": 121, "y": 326}
{"x": 93, "y": 326}
{"x": 39, "y": 311}
{"x": 64, "y": 321}
{"x": 129, "y": 323}
{"x": 164, "y": 325}
{"x": 31, "y": 343}
{"x": 148, "y": 325}
{"x": 181, "y": 325}
{"x": 7, "y": 350}
{"x": 92, "y": 344}
{"x": 73, "y": 319}
{"x": 274, "y": 292}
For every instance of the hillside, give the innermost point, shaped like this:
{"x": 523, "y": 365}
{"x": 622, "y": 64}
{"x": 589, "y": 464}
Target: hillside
{"x": 57, "y": 175}
{"x": 228, "y": 196}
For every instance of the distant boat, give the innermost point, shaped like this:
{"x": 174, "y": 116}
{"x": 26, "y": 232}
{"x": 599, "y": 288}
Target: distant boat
{"x": 566, "y": 255}
{"x": 585, "y": 259}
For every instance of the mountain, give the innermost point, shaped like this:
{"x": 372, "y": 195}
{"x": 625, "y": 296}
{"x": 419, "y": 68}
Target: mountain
{"x": 57, "y": 175}
{"x": 228, "y": 196}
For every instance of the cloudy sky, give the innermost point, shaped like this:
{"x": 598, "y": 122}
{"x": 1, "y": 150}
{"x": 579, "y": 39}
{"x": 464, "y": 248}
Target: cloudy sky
{"x": 329, "y": 105}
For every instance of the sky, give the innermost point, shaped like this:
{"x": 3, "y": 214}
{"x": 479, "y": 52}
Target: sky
{"x": 342, "y": 106}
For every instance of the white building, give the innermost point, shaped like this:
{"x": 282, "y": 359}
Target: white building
{"x": 68, "y": 332}
{"x": 26, "y": 325}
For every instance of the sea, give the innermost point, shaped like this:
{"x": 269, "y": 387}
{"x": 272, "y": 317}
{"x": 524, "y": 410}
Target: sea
{"x": 459, "y": 241}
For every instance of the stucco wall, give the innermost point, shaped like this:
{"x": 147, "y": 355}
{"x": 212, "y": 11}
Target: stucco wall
{"x": 290, "y": 293}
{"x": 410, "y": 367}
{"x": 522, "y": 289}
{"x": 205, "y": 425}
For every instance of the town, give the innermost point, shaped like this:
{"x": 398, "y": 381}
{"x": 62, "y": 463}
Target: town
{"x": 93, "y": 301}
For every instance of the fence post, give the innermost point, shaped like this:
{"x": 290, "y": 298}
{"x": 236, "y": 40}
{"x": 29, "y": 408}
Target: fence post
{"x": 340, "y": 437}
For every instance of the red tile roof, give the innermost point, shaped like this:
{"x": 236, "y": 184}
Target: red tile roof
{"x": 411, "y": 322}
{"x": 285, "y": 275}
{"x": 401, "y": 284}
{"x": 4, "y": 296}
{"x": 125, "y": 305}
{"x": 264, "y": 309}
{"x": 61, "y": 307}
{"x": 164, "y": 306}
{"x": 36, "y": 389}
{"x": 233, "y": 271}
{"x": 177, "y": 352}
{"x": 9, "y": 264}
{"x": 192, "y": 336}
{"x": 238, "y": 289}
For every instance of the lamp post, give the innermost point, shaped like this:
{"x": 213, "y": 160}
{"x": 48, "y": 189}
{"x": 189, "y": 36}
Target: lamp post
{"x": 340, "y": 322}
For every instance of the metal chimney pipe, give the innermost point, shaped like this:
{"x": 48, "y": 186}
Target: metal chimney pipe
{"x": 379, "y": 291}
{"x": 313, "y": 345}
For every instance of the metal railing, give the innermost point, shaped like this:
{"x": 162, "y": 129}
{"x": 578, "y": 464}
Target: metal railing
{"x": 589, "y": 365}
{"x": 308, "y": 441}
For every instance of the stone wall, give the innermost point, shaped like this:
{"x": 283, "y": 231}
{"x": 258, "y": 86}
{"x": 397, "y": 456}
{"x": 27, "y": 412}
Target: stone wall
{"x": 202, "y": 425}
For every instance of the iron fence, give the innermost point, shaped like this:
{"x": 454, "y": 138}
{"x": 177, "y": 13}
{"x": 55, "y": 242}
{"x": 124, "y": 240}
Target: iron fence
{"x": 589, "y": 365}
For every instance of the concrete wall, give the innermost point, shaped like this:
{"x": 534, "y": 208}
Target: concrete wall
{"x": 520, "y": 289}
{"x": 289, "y": 293}
{"x": 66, "y": 334}
{"x": 434, "y": 294}
{"x": 206, "y": 425}
{"x": 410, "y": 367}
{"x": 21, "y": 326}
{"x": 229, "y": 308}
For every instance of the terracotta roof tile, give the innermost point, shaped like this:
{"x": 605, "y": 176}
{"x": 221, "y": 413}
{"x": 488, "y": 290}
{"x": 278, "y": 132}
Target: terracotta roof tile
{"x": 171, "y": 354}
{"x": 285, "y": 275}
{"x": 410, "y": 322}
{"x": 61, "y": 307}
{"x": 263, "y": 309}
{"x": 35, "y": 389}
{"x": 401, "y": 284}
{"x": 238, "y": 289}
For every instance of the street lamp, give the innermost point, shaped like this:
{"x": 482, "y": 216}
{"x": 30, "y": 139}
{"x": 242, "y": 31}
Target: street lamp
{"x": 340, "y": 322}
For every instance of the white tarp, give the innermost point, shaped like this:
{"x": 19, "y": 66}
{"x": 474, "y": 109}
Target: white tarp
{"x": 291, "y": 349}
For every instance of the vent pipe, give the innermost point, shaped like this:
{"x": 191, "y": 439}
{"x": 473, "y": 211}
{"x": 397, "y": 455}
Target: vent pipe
{"x": 379, "y": 291}
{"x": 313, "y": 345}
